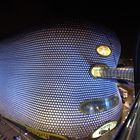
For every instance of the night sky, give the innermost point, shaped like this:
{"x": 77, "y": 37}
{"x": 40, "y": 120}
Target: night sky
{"x": 16, "y": 16}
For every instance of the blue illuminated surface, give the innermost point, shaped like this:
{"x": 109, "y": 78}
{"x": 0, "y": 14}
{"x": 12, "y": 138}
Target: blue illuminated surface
{"x": 44, "y": 77}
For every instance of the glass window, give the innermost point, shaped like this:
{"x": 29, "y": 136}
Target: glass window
{"x": 103, "y": 50}
{"x": 97, "y": 70}
{"x": 104, "y": 129}
{"x": 98, "y": 105}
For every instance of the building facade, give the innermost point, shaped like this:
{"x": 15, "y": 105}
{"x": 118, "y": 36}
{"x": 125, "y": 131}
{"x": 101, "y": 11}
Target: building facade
{"x": 45, "y": 80}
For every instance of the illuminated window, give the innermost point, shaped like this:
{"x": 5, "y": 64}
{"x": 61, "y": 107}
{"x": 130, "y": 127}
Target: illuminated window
{"x": 97, "y": 70}
{"x": 98, "y": 105}
{"x": 104, "y": 129}
{"x": 103, "y": 50}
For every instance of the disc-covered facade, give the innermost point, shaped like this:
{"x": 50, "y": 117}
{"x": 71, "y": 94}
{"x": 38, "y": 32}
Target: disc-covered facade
{"x": 45, "y": 79}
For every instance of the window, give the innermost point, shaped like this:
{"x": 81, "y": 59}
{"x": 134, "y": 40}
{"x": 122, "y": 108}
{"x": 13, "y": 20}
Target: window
{"x": 103, "y": 50}
{"x": 104, "y": 129}
{"x": 98, "y": 105}
{"x": 97, "y": 70}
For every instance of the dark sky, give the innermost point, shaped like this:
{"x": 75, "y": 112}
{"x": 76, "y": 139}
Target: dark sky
{"x": 15, "y": 16}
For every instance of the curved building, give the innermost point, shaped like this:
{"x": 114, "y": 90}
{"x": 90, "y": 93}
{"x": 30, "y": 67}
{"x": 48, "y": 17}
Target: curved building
{"x": 46, "y": 84}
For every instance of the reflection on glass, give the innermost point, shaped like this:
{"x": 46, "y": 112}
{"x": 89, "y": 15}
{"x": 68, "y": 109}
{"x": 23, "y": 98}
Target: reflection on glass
{"x": 98, "y": 105}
